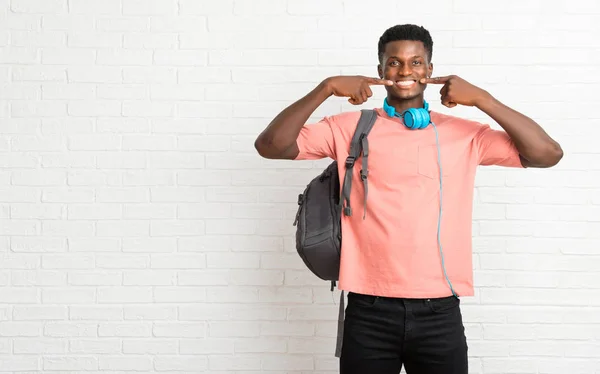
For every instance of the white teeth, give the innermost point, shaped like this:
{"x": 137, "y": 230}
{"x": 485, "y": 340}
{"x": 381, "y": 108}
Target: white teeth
{"x": 405, "y": 83}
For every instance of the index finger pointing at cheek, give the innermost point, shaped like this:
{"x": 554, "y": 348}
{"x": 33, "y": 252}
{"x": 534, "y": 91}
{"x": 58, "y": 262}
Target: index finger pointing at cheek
{"x": 385, "y": 82}
{"x": 435, "y": 80}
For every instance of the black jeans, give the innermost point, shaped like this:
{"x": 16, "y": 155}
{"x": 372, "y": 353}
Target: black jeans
{"x": 381, "y": 334}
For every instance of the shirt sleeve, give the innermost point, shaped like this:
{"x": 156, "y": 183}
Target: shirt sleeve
{"x": 495, "y": 147}
{"x": 316, "y": 141}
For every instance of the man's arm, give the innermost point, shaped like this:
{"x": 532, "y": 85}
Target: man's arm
{"x": 536, "y": 148}
{"x": 278, "y": 140}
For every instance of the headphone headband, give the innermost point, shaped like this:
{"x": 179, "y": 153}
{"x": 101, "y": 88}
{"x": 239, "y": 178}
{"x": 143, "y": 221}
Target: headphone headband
{"x": 414, "y": 118}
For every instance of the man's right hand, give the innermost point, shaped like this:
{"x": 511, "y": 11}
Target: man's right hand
{"x": 356, "y": 88}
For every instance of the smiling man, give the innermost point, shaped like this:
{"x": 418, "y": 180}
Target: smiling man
{"x": 406, "y": 265}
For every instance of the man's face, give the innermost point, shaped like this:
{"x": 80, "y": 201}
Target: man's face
{"x": 405, "y": 62}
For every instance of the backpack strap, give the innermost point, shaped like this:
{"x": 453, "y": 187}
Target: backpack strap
{"x": 359, "y": 143}
{"x": 340, "y": 331}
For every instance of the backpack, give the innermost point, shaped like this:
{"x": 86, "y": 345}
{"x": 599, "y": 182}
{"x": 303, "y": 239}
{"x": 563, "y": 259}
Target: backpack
{"x": 320, "y": 206}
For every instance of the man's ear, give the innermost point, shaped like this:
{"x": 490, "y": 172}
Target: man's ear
{"x": 430, "y": 70}
{"x": 379, "y": 71}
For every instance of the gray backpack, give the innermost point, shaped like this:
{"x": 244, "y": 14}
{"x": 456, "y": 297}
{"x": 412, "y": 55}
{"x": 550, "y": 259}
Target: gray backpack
{"x": 318, "y": 219}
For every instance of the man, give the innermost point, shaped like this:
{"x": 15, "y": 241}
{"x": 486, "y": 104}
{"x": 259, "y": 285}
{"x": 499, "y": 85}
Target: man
{"x": 403, "y": 288}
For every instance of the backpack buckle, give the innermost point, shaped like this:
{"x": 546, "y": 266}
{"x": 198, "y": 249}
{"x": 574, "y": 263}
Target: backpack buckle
{"x": 350, "y": 162}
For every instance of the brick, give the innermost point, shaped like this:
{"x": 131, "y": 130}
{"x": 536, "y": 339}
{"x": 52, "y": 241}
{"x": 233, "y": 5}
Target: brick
{"x": 272, "y": 361}
{"x": 177, "y": 126}
{"x": 260, "y": 345}
{"x": 94, "y": 212}
{"x": 37, "y": 39}
{"x": 108, "y": 7}
{"x": 68, "y": 91}
{"x": 154, "y": 347}
{"x": 206, "y": 7}
{"x": 180, "y": 58}
{"x": 20, "y": 91}
{"x": 180, "y": 330}
{"x": 37, "y": 245}
{"x": 20, "y": 363}
{"x": 38, "y": 278}
{"x": 95, "y": 313}
{"x": 83, "y": 108}
{"x": 70, "y": 330}
{"x": 150, "y": 312}
{"x": 258, "y": 8}
{"x": 41, "y": 346}
{"x": 70, "y": 261}
{"x": 20, "y": 261}
{"x": 21, "y": 329}
{"x": 94, "y": 245}
{"x": 124, "y": 57}
{"x": 146, "y": 108}
{"x": 119, "y": 23}
{"x": 43, "y": 313}
{"x": 179, "y": 228}
{"x": 149, "y": 41}
{"x": 177, "y": 194}
{"x": 96, "y": 278}
{"x": 147, "y": 75}
{"x": 313, "y": 8}
{"x": 203, "y": 277}
{"x": 206, "y": 346}
{"x": 218, "y": 23}
{"x": 148, "y": 143}
{"x": 124, "y": 329}
{"x": 71, "y": 22}
{"x": 149, "y": 245}
{"x": 97, "y": 74}
{"x": 234, "y": 362}
{"x": 37, "y": 6}
{"x": 48, "y": 143}
{"x": 149, "y": 7}
{"x": 181, "y": 363}
{"x": 203, "y": 211}
{"x": 95, "y": 347}
{"x": 125, "y": 363}
{"x": 180, "y": 23}
{"x": 274, "y": 58}
{"x": 122, "y": 261}
{"x": 66, "y": 56}
{"x": 70, "y": 363}
{"x": 149, "y": 278}
{"x": 122, "y": 295}
{"x": 64, "y": 228}
{"x": 122, "y": 195}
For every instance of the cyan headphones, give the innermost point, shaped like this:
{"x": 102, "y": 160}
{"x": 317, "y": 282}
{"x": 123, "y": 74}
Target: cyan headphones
{"x": 414, "y": 118}
{"x": 419, "y": 118}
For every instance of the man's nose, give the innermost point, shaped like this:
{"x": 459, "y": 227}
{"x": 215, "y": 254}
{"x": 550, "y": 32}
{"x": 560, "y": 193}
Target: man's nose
{"x": 405, "y": 69}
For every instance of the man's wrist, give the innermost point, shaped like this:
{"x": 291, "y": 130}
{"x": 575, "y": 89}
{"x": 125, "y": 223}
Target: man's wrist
{"x": 486, "y": 102}
{"x": 325, "y": 87}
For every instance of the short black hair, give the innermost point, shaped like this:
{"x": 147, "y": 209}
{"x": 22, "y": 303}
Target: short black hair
{"x": 406, "y": 32}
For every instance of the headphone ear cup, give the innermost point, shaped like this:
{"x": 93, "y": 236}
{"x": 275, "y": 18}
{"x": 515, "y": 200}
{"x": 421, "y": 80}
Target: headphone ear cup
{"x": 423, "y": 118}
{"x": 416, "y": 118}
{"x": 410, "y": 118}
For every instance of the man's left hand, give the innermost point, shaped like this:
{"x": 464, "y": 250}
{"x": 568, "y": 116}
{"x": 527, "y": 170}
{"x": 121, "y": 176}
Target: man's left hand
{"x": 457, "y": 91}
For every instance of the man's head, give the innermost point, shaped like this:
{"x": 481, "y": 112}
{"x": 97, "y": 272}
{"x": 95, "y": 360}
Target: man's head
{"x": 405, "y": 53}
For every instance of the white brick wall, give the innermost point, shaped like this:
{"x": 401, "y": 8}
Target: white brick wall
{"x": 140, "y": 231}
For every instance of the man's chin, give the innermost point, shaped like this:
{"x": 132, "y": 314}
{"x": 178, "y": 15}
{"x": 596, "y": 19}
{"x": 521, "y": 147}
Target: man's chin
{"x": 404, "y": 96}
